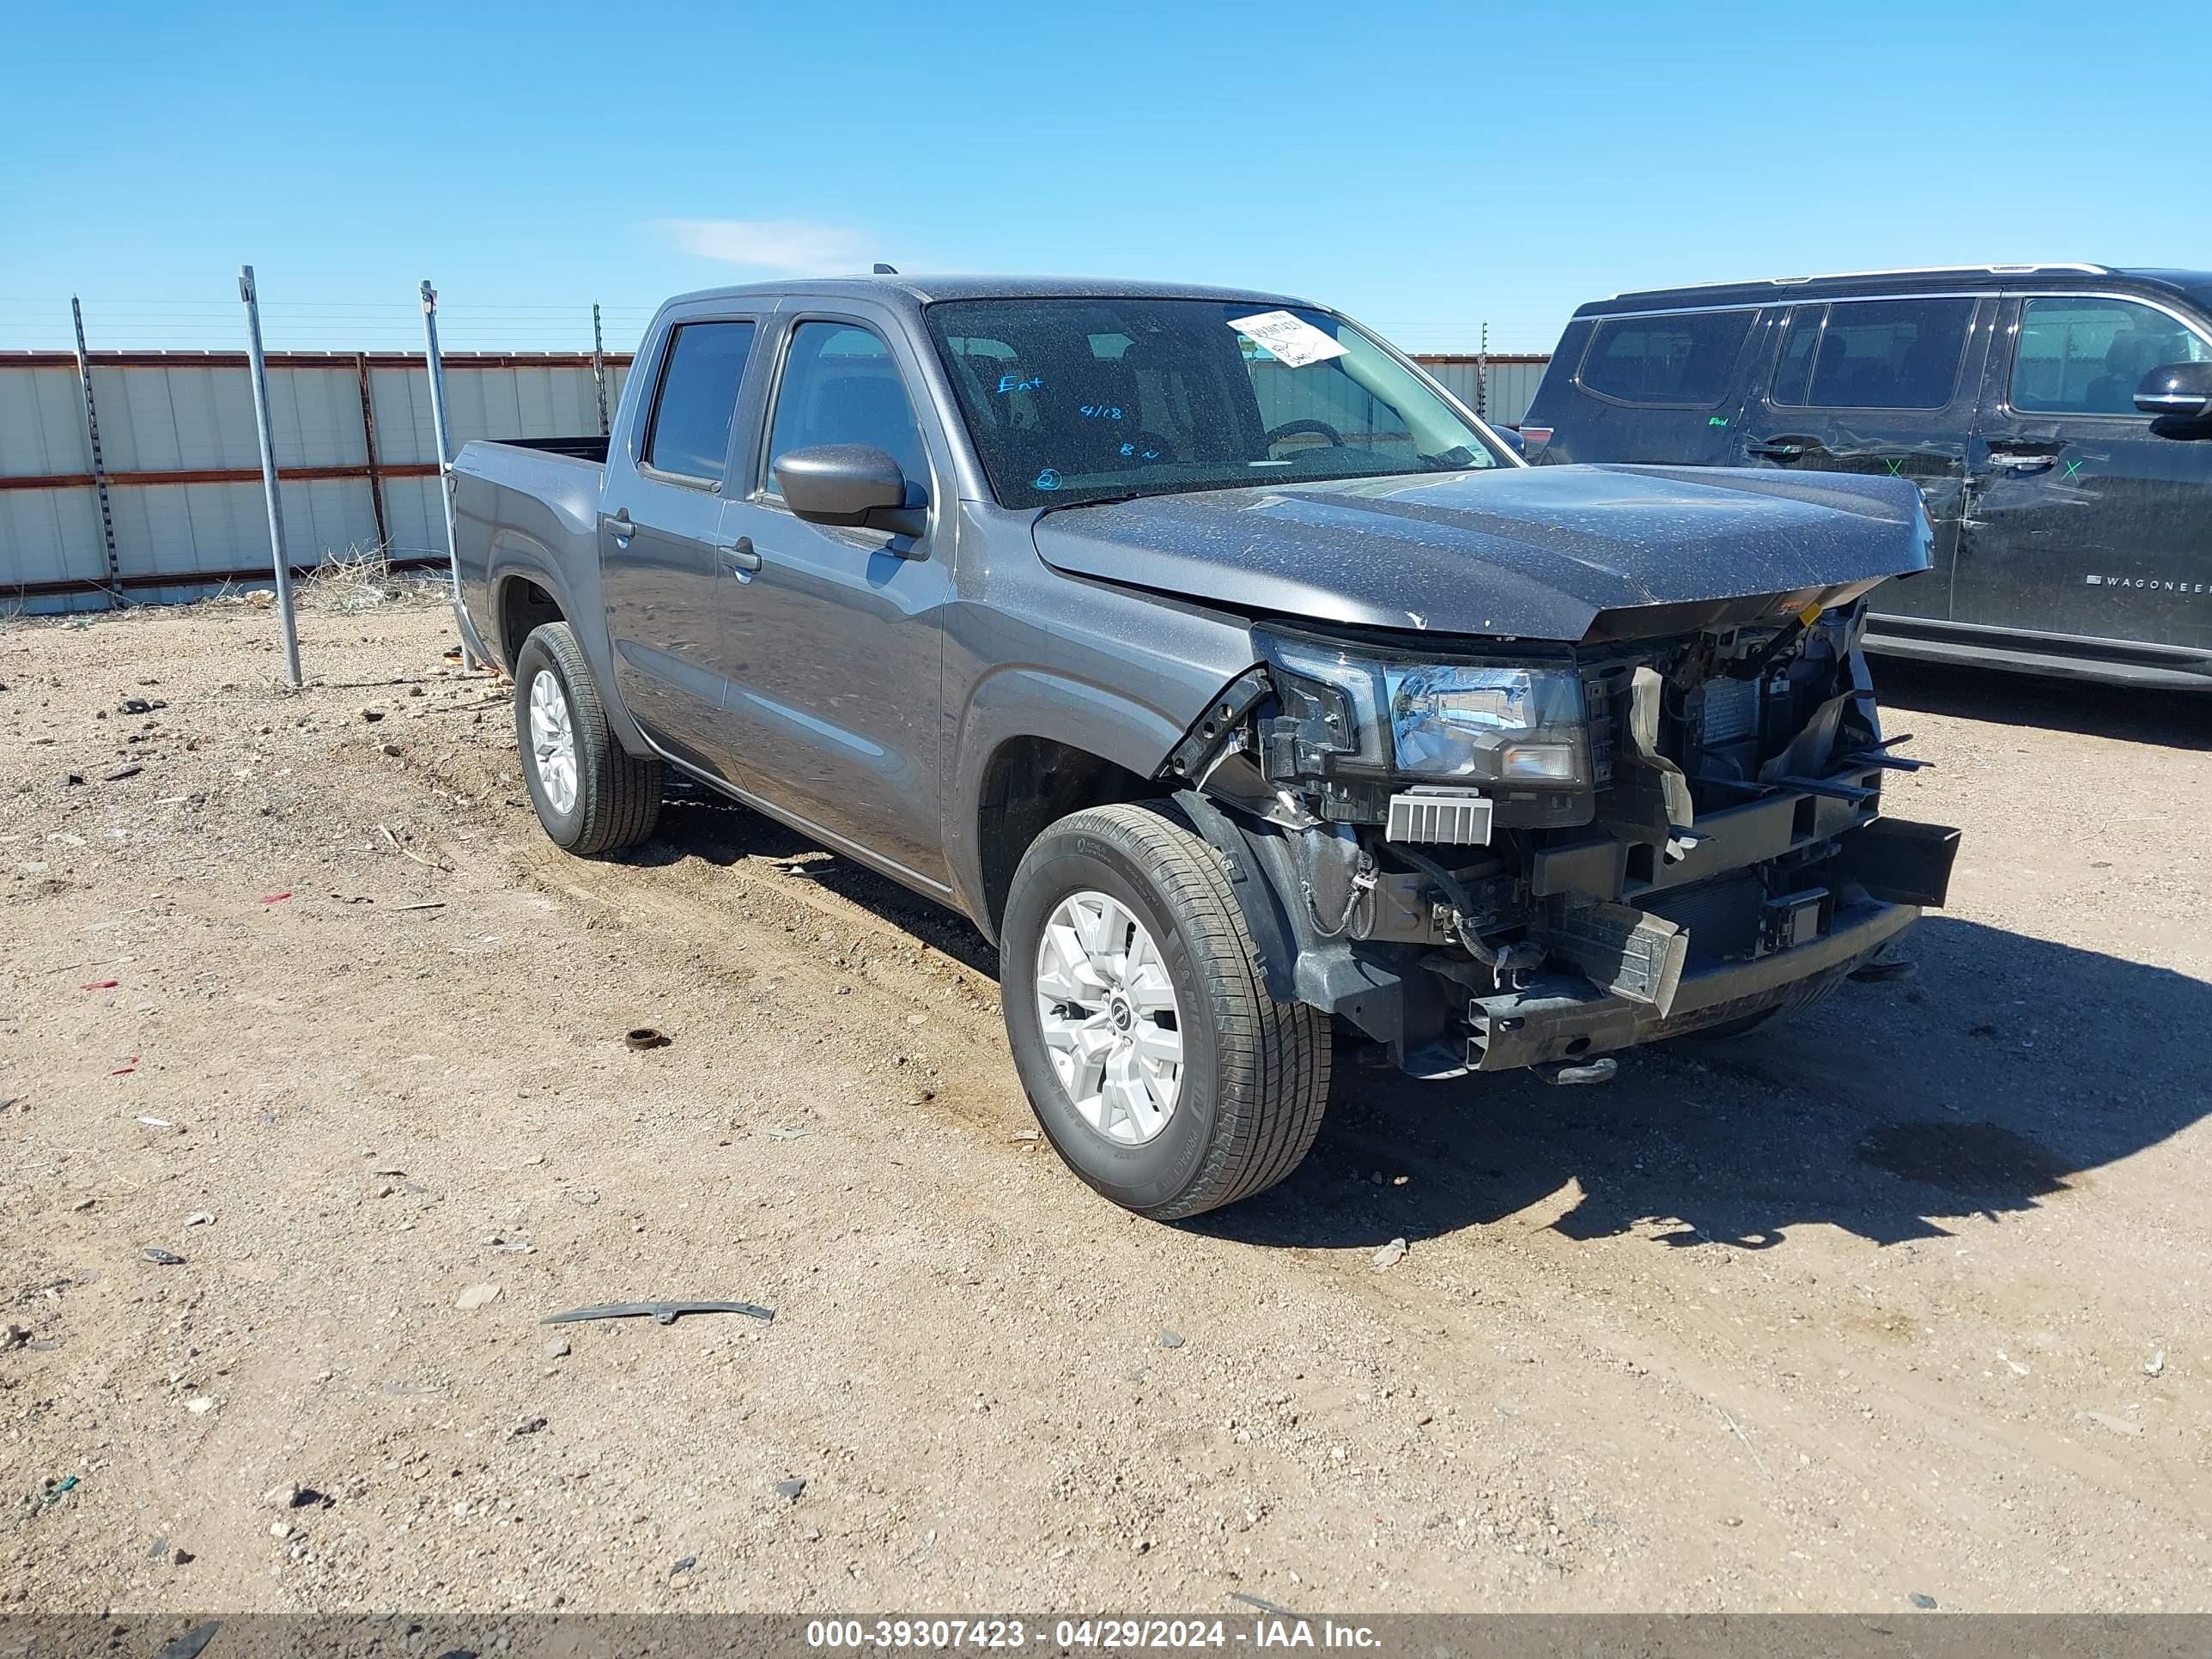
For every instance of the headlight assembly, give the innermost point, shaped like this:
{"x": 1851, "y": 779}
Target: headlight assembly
{"x": 1483, "y": 724}
{"x": 1356, "y": 713}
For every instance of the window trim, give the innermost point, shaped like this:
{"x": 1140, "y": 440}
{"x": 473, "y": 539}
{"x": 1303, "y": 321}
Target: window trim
{"x": 1590, "y": 346}
{"x": 652, "y": 424}
{"x": 2021, "y": 297}
{"x": 759, "y": 494}
{"x": 1827, "y": 307}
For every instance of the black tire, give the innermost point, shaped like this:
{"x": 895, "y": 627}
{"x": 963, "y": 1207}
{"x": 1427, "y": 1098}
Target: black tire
{"x": 1254, "y": 1074}
{"x": 618, "y": 799}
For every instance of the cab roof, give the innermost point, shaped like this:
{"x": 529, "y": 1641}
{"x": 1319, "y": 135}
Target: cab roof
{"x": 921, "y": 290}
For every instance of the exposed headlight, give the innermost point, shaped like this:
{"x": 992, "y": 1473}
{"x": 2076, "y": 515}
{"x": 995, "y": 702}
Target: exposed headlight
{"x": 1522, "y": 726}
{"x": 1465, "y": 722}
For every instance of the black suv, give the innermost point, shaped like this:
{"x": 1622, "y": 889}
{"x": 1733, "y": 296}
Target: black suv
{"x": 2057, "y": 417}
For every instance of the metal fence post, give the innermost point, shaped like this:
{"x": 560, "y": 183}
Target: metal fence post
{"x": 100, "y": 461}
{"x": 1482, "y": 375}
{"x": 260, "y": 371}
{"x": 437, "y": 366}
{"x": 599, "y": 368}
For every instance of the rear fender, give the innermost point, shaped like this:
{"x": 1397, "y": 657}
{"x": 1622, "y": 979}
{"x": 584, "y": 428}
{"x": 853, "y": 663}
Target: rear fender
{"x": 516, "y": 558}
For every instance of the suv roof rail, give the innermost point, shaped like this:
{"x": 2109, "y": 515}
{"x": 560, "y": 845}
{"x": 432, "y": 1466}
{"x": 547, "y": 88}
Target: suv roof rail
{"x": 1898, "y": 270}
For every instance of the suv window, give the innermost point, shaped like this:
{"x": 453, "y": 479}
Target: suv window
{"x": 1686, "y": 359}
{"x": 1874, "y": 354}
{"x": 689, "y": 432}
{"x": 2085, "y": 357}
{"x": 842, "y": 386}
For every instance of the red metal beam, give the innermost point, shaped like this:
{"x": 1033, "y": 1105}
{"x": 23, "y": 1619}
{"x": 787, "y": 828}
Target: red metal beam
{"x": 218, "y": 475}
{"x": 463, "y": 359}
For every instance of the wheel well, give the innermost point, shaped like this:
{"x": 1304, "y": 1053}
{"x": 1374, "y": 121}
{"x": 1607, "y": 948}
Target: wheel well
{"x": 1031, "y": 783}
{"x": 523, "y": 605}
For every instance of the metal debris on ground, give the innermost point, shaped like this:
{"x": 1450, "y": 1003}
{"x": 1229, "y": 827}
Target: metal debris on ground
{"x": 645, "y": 1036}
{"x": 274, "y": 898}
{"x": 100, "y": 985}
{"x": 661, "y": 1313}
{"x": 121, "y": 773}
{"x": 161, "y": 1258}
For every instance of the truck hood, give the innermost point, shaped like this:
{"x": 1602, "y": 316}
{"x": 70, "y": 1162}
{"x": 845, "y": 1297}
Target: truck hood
{"x": 1546, "y": 552}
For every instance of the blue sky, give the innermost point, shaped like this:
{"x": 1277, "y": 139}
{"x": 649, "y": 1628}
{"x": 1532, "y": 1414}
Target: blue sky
{"x": 1424, "y": 168}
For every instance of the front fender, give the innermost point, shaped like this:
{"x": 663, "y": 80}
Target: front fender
{"x": 1031, "y": 702}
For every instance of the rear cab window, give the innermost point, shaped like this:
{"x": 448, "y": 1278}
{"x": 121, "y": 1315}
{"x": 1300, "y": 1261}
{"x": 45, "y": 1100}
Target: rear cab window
{"x": 1678, "y": 360}
{"x": 687, "y": 434}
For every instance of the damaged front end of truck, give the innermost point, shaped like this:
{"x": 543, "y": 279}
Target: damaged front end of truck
{"x": 1490, "y": 854}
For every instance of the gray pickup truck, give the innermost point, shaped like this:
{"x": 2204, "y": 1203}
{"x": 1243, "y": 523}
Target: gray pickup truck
{"x": 1233, "y": 680}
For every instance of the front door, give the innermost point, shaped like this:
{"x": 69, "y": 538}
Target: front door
{"x": 2089, "y": 519}
{"x": 835, "y": 638}
{"x": 1887, "y": 388}
{"x": 660, "y": 571}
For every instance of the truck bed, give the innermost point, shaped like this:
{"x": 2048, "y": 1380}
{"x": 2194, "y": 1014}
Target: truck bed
{"x": 582, "y": 449}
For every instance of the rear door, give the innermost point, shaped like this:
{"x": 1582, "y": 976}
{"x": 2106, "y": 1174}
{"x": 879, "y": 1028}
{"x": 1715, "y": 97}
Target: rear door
{"x": 1653, "y": 388}
{"x": 1887, "y": 388}
{"x": 660, "y": 571}
{"x": 2090, "y": 518}
{"x": 835, "y": 635}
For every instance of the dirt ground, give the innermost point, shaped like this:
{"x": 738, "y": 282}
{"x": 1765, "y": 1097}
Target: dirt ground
{"x": 1907, "y": 1301}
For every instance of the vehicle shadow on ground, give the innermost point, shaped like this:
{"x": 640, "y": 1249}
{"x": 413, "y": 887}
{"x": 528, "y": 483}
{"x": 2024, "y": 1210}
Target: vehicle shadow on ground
{"x": 2000, "y": 1080}
{"x": 2172, "y": 720}
{"x": 697, "y": 824}
{"x": 1997, "y": 1080}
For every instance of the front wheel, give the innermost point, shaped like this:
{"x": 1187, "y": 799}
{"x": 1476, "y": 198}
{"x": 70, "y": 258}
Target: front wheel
{"x": 1159, "y": 1065}
{"x": 591, "y": 796}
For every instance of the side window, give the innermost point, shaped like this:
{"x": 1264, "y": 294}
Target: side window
{"x": 689, "y": 432}
{"x": 1874, "y": 354}
{"x": 1687, "y": 360}
{"x": 842, "y": 386}
{"x": 2084, "y": 356}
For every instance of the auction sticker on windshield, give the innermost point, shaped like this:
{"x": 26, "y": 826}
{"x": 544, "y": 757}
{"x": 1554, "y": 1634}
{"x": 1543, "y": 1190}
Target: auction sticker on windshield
{"x": 1287, "y": 339}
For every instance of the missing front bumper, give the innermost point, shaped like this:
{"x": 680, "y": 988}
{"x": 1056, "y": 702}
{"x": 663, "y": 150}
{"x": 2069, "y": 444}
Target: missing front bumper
{"x": 1561, "y": 1018}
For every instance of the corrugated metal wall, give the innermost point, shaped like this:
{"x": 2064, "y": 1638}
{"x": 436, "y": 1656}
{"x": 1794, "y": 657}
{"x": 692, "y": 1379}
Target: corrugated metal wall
{"x": 1508, "y": 383}
{"x": 354, "y": 452}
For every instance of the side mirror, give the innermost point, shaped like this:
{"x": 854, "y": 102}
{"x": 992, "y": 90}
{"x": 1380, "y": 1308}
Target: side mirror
{"x": 839, "y": 484}
{"x": 2179, "y": 391}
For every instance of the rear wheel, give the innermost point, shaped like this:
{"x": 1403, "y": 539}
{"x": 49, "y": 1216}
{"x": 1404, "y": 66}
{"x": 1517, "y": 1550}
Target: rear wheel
{"x": 1156, "y": 1063}
{"x": 591, "y": 796}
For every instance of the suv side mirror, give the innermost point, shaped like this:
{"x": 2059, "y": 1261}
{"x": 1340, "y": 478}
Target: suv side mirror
{"x": 2179, "y": 391}
{"x": 841, "y": 483}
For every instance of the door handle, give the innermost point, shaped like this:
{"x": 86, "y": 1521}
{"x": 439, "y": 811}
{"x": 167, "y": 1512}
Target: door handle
{"x": 2022, "y": 460}
{"x": 620, "y": 527}
{"x": 1775, "y": 452}
{"x": 739, "y": 556}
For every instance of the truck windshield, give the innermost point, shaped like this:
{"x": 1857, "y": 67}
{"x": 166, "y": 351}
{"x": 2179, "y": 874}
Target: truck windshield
{"x": 1070, "y": 400}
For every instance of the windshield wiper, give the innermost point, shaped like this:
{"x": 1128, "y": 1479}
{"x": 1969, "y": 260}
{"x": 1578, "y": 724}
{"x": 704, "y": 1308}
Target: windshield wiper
{"x": 1094, "y": 500}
